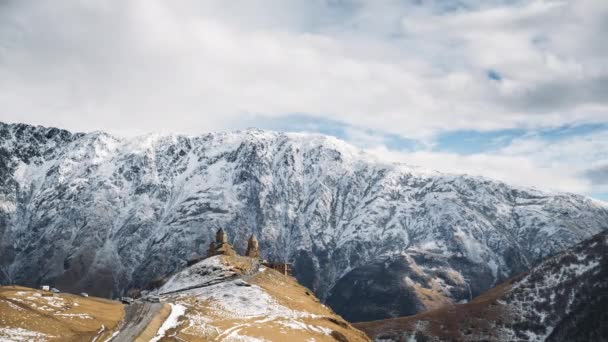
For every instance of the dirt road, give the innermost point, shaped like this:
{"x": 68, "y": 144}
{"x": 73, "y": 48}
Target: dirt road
{"x": 137, "y": 317}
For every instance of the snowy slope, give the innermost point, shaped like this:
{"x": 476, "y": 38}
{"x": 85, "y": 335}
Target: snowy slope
{"x": 104, "y": 213}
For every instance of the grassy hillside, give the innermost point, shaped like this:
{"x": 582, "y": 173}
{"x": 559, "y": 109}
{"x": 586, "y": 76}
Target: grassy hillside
{"x": 34, "y": 315}
{"x": 223, "y": 298}
{"x": 255, "y": 304}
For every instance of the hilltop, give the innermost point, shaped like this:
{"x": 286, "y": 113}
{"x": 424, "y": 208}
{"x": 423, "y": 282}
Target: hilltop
{"x": 233, "y": 297}
{"x": 221, "y": 298}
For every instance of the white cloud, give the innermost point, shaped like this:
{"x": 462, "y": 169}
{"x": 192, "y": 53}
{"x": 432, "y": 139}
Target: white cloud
{"x": 391, "y": 66}
{"x": 576, "y": 164}
{"x": 514, "y": 170}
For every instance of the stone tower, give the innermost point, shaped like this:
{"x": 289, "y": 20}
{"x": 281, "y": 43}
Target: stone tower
{"x": 221, "y": 245}
{"x": 221, "y": 236}
{"x": 253, "y": 248}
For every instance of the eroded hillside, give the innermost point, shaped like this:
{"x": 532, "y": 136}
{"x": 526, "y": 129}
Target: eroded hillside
{"x": 562, "y": 299}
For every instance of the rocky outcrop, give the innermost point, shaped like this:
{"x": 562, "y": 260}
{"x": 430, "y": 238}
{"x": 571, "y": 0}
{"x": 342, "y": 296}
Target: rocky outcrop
{"x": 405, "y": 285}
{"x": 101, "y": 214}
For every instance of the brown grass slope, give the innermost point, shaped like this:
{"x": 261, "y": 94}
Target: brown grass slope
{"x": 207, "y": 318}
{"x": 29, "y": 315}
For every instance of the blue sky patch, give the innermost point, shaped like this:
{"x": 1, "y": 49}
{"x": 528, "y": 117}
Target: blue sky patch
{"x": 600, "y": 195}
{"x": 494, "y": 75}
{"x": 462, "y": 142}
{"x": 470, "y": 142}
{"x": 299, "y": 122}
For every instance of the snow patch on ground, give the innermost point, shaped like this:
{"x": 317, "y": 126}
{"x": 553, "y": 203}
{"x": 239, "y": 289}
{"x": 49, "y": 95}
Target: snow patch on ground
{"x": 19, "y": 334}
{"x": 12, "y": 305}
{"x": 494, "y": 268}
{"x": 297, "y": 325}
{"x": 69, "y": 315}
{"x": 101, "y": 330}
{"x": 113, "y": 335}
{"x": 235, "y": 337}
{"x": 242, "y": 302}
{"x": 205, "y": 272}
{"x": 171, "y": 322}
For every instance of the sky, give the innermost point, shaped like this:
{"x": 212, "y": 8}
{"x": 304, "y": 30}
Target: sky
{"x": 515, "y": 90}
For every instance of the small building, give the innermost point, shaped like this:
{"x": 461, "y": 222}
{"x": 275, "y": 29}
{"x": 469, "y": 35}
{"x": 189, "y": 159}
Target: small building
{"x": 127, "y": 300}
{"x": 45, "y": 288}
{"x": 54, "y": 290}
{"x": 281, "y": 267}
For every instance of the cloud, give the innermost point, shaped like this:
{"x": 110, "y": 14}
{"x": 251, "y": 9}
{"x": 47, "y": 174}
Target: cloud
{"x": 577, "y": 163}
{"x": 401, "y": 78}
{"x": 515, "y": 170}
{"x": 405, "y": 68}
{"x": 599, "y": 177}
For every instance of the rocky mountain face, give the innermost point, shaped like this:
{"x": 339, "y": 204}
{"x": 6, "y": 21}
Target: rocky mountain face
{"x": 103, "y": 214}
{"x": 562, "y": 299}
{"x": 407, "y": 284}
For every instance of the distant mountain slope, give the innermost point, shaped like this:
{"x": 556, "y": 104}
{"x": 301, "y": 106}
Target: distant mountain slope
{"x": 562, "y": 299}
{"x": 100, "y": 213}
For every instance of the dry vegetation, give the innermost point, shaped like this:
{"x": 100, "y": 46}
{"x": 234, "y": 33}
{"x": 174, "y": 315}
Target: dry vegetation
{"x": 207, "y": 320}
{"x": 288, "y": 292}
{"x": 29, "y": 315}
{"x": 459, "y": 322}
{"x": 263, "y": 304}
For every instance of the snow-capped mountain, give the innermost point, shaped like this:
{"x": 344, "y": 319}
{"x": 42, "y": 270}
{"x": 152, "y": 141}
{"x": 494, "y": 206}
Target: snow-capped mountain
{"x": 562, "y": 299}
{"x": 103, "y": 214}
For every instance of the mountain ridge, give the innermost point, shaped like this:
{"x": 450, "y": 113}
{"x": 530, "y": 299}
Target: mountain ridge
{"x": 104, "y": 214}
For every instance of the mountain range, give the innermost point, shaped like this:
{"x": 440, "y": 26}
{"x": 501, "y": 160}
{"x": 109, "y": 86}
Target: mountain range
{"x": 105, "y": 214}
